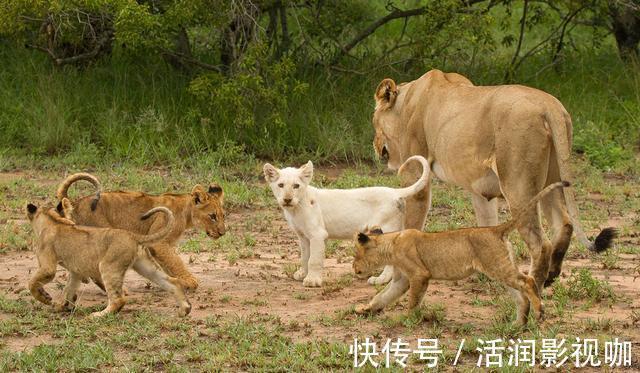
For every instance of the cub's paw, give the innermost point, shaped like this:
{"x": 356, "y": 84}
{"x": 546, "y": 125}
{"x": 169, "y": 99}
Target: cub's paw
{"x": 185, "y": 309}
{"x": 379, "y": 280}
{"x": 540, "y": 315}
{"x": 43, "y": 296}
{"x": 300, "y": 274}
{"x": 312, "y": 280}
{"x": 61, "y": 306}
{"x": 100, "y": 314}
{"x": 362, "y": 309}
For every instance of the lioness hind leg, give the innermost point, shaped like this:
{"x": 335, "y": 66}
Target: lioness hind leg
{"x": 555, "y": 211}
{"x": 147, "y": 268}
{"x": 112, "y": 276}
{"x": 174, "y": 266}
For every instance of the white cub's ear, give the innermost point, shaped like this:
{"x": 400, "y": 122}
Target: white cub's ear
{"x": 306, "y": 172}
{"x": 271, "y": 173}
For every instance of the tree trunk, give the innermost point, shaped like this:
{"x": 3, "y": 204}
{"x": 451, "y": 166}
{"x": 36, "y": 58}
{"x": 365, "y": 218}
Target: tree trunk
{"x": 625, "y": 21}
{"x": 237, "y": 35}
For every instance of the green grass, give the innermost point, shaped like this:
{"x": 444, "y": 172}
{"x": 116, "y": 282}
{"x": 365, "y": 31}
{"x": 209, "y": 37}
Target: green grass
{"x": 149, "y": 341}
{"x": 119, "y": 111}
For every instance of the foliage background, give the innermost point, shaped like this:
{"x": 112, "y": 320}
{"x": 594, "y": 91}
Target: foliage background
{"x": 155, "y": 81}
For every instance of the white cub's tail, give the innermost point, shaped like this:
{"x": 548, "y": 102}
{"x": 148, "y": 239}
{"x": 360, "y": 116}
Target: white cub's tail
{"x": 421, "y": 183}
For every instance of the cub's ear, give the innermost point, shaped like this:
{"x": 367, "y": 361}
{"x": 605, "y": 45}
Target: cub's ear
{"x": 271, "y": 173}
{"x": 66, "y": 205}
{"x": 199, "y": 194}
{"x": 306, "y": 172}
{"x": 386, "y": 94}
{"x": 216, "y": 190}
{"x": 31, "y": 208}
{"x": 363, "y": 238}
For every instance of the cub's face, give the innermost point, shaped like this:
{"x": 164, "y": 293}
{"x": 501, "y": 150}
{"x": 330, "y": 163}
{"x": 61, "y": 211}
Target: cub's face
{"x": 207, "y": 212}
{"x": 289, "y": 185}
{"x": 366, "y": 244}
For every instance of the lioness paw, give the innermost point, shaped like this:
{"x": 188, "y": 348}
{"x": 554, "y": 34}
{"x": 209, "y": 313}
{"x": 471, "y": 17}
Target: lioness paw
{"x": 300, "y": 274}
{"x": 312, "y": 280}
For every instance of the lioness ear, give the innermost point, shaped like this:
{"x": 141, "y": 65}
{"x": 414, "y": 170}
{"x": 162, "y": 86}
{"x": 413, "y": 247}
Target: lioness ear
{"x": 271, "y": 173}
{"x": 306, "y": 172}
{"x": 198, "y": 193}
{"x": 386, "y": 94}
{"x": 363, "y": 238}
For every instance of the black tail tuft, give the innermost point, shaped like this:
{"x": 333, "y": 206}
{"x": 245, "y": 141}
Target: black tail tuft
{"x": 604, "y": 240}
{"x": 566, "y": 184}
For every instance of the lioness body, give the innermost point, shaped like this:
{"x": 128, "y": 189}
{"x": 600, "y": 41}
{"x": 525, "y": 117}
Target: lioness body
{"x": 493, "y": 141}
{"x": 102, "y": 254}
{"x": 120, "y": 209}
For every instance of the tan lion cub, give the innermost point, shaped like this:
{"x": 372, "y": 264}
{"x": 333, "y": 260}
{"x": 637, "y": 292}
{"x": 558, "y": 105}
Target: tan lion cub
{"x": 202, "y": 209}
{"x": 102, "y": 254}
{"x": 418, "y": 257}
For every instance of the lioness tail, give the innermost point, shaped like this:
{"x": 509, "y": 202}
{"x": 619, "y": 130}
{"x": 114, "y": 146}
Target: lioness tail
{"x": 148, "y": 238}
{"x": 421, "y": 183}
{"x": 63, "y": 189}
{"x": 511, "y": 224}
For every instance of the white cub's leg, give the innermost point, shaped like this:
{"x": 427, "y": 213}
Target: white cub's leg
{"x": 384, "y": 277}
{"x": 304, "y": 259}
{"x": 316, "y": 263}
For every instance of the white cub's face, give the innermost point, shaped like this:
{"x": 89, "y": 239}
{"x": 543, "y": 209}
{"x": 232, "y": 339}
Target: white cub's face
{"x": 289, "y": 185}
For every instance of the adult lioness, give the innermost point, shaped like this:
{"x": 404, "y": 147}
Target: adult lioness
{"x": 202, "y": 208}
{"x": 493, "y": 141}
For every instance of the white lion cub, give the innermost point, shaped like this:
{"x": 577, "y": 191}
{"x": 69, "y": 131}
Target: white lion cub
{"x": 316, "y": 215}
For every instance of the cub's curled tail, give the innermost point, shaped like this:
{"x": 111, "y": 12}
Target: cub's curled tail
{"x": 63, "y": 189}
{"x": 422, "y": 181}
{"x": 161, "y": 234}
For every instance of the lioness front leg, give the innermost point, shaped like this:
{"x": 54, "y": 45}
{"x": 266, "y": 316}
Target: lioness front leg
{"x": 301, "y": 273}
{"x": 316, "y": 262}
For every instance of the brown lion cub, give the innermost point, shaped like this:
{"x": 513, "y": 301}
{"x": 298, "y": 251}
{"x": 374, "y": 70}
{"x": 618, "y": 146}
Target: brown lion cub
{"x": 418, "y": 257}
{"x": 202, "y": 208}
{"x": 102, "y": 254}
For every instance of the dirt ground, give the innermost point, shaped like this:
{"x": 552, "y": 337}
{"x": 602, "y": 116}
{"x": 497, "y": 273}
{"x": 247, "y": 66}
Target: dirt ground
{"x": 259, "y": 282}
